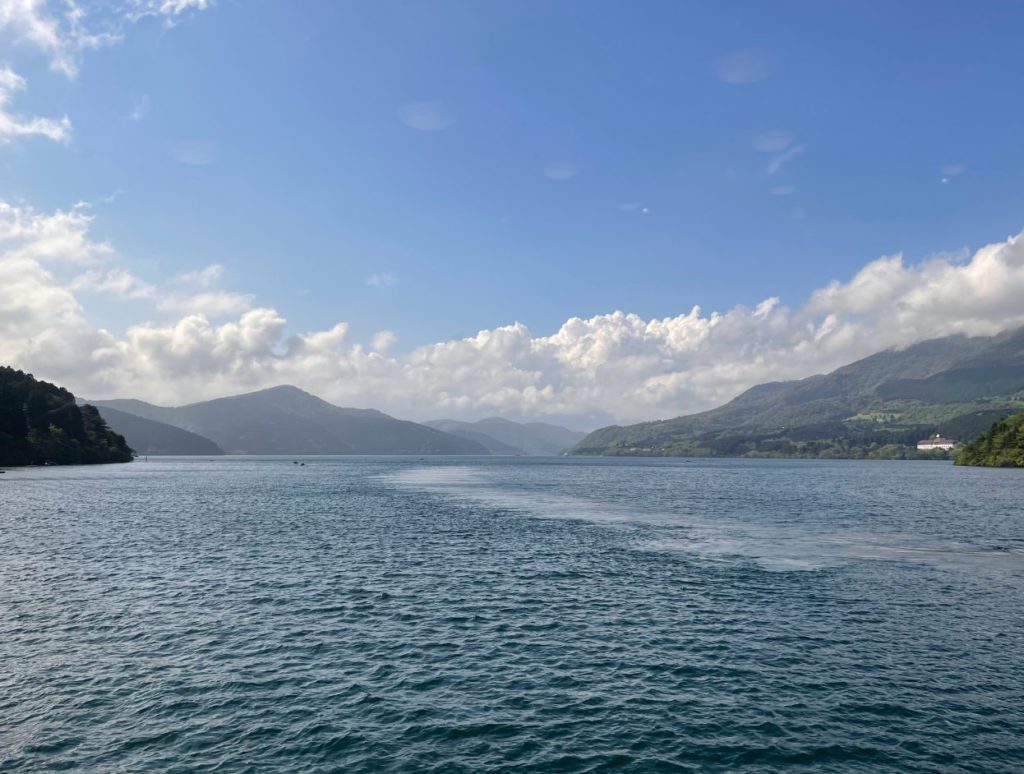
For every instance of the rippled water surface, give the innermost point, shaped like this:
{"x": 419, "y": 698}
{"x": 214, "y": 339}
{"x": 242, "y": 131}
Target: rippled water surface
{"x": 376, "y": 614}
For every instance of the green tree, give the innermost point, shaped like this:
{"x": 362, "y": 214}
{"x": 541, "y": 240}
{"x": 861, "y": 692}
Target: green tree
{"x": 1001, "y": 446}
{"x": 41, "y": 424}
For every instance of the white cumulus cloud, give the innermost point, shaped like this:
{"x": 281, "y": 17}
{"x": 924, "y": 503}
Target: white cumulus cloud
{"x": 118, "y": 282}
{"x": 64, "y": 29}
{"x": 383, "y": 341}
{"x": 205, "y": 277}
{"x": 60, "y": 237}
{"x": 13, "y": 125}
{"x": 609, "y": 367}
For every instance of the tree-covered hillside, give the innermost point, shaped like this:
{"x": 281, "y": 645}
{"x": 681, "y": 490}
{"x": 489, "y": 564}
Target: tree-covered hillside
{"x": 876, "y": 407}
{"x": 41, "y": 424}
{"x": 1001, "y": 446}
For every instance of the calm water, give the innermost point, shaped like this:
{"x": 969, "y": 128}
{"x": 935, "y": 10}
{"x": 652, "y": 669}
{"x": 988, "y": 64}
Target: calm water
{"x": 474, "y": 615}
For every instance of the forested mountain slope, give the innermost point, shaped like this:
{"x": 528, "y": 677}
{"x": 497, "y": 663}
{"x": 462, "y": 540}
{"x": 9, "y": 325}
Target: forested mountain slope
{"x": 41, "y": 424}
{"x": 1001, "y": 446}
{"x": 956, "y": 386}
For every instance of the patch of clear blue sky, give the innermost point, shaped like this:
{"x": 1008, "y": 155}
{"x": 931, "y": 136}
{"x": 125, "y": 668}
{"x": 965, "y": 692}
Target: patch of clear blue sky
{"x": 314, "y": 183}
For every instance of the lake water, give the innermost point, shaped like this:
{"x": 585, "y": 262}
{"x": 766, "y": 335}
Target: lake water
{"x": 409, "y": 614}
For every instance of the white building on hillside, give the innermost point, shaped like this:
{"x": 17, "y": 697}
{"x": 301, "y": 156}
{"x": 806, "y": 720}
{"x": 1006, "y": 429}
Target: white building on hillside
{"x": 935, "y": 442}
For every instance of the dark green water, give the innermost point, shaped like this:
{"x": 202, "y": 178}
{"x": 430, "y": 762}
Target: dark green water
{"x": 511, "y": 614}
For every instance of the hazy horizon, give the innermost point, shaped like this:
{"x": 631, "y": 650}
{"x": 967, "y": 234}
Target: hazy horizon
{"x": 428, "y": 420}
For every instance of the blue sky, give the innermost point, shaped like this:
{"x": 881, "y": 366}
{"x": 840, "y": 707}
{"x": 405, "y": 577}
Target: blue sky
{"x": 435, "y": 169}
{"x": 314, "y": 183}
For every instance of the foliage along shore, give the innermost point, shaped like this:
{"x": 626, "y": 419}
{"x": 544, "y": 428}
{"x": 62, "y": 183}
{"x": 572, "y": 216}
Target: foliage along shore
{"x": 815, "y": 450}
{"x": 1001, "y": 446}
{"x": 40, "y": 424}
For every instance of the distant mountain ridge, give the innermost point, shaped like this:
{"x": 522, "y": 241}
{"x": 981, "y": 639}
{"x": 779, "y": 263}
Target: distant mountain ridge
{"x": 287, "y": 420}
{"x": 147, "y": 436}
{"x": 503, "y": 436}
{"x": 955, "y": 385}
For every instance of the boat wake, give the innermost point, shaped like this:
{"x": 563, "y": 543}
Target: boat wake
{"x": 767, "y": 544}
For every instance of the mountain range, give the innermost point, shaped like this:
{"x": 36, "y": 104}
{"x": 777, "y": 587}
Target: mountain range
{"x": 878, "y": 406}
{"x": 502, "y": 436}
{"x": 146, "y": 436}
{"x": 287, "y": 420}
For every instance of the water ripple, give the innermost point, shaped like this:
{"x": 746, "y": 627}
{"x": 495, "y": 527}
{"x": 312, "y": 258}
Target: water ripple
{"x": 384, "y": 615}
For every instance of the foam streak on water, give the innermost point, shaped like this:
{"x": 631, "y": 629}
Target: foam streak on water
{"x": 575, "y": 615}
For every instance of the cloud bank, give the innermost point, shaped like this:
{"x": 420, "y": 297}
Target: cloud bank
{"x": 201, "y": 342}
